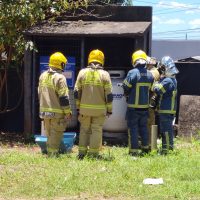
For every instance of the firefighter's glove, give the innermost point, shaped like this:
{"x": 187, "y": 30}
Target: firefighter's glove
{"x": 153, "y": 102}
{"x": 119, "y": 84}
{"x": 108, "y": 114}
{"x": 161, "y": 70}
{"x": 68, "y": 116}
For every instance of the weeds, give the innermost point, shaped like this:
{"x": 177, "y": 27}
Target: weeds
{"x": 30, "y": 175}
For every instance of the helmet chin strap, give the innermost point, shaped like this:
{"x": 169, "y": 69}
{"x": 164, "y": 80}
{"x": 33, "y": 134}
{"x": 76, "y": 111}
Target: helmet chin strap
{"x": 62, "y": 66}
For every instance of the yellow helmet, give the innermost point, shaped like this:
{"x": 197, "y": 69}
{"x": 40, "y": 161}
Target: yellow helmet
{"x": 96, "y": 56}
{"x": 57, "y": 60}
{"x": 139, "y": 56}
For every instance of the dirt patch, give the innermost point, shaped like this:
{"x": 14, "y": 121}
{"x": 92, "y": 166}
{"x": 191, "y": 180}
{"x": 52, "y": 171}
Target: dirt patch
{"x": 17, "y": 141}
{"x": 12, "y": 139}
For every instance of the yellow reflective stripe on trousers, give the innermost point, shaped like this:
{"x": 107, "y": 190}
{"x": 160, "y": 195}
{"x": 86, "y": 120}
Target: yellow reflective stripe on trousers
{"x": 167, "y": 139}
{"x": 94, "y": 150}
{"x": 167, "y": 111}
{"x": 127, "y": 84}
{"x": 82, "y": 148}
{"x": 137, "y": 106}
{"x": 92, "y": 106}
{"x": 52, "y": 150}
{"x": 42, "y": 109}
{"x": 129, "y": 139}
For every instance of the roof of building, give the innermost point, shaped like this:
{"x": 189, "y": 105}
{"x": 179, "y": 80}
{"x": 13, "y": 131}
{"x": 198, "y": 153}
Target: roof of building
{"x": 190, "y": 59}
{"x": 89, "y": 28}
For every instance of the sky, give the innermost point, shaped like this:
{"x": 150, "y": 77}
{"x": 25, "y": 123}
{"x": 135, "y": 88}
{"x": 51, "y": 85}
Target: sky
{"x": 176, "y": 19}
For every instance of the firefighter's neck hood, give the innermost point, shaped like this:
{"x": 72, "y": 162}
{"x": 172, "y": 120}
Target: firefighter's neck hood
{"x": 54, "y": 70}
{"x": 95, "y": 66}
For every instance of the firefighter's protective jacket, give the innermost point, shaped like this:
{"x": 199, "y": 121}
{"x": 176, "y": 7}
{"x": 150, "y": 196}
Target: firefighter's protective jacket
{"x": 53, "y": 94}
{"x": 93, "y": 91}
{"x": 155, "y": 73}
{"x": 137, "y": 85}
{"x": 166, "y": 88}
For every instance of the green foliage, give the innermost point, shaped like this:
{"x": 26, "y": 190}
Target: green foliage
{"x": 106, "y": 2}
{"x": 36, "y": 177}
{"x": 16, "y": 16}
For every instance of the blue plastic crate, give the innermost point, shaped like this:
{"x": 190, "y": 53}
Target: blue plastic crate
{"x": 65, "y": 146}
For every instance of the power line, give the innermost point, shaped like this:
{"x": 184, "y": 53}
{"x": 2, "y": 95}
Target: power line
{"x": 166, "y": 4}
{"x": 186, "y": 9}
{"x": 172, "y": 7}
{"x": 175, "y": 31}
{"x": 189, "y": 37}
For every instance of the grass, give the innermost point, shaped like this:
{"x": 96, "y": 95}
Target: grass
{"x": 26, "y": 174}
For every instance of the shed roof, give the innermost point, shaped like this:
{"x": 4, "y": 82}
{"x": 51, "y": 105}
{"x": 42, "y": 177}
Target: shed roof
{"x": 190, "y": 59}
{"x": 89, "y": 28}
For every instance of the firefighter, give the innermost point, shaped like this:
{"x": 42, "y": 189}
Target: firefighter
{"x": 93, "y": 95}
{"x": 54, "y": 102}
{"x": 152, "y": 64}
{"x": 166, "y": 89}
{"x": 137, "y": 85}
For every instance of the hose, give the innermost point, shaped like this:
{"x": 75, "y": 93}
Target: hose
{"x": 4, "y": 107}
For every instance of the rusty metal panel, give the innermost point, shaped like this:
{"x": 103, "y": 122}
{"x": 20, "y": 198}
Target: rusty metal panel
{"x": 189, "y": 116}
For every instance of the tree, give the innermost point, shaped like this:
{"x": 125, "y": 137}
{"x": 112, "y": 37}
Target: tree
{"x": 116, "y": 2}
{"x": 15, "y": 17}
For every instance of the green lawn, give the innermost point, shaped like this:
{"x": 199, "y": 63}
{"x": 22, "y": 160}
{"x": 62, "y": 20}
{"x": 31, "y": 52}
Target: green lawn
{"x": 26, "y": 174}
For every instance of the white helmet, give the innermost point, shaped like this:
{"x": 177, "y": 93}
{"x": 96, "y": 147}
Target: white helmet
{"x": 169, "y": 66}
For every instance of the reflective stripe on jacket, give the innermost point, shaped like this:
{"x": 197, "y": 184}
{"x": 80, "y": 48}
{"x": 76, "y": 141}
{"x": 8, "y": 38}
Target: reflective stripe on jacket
{"x": 93, "y": 91}
{"x": 53, "y": 91}
{"x": 137, "y": 85}
{"x": 166, "y": 88}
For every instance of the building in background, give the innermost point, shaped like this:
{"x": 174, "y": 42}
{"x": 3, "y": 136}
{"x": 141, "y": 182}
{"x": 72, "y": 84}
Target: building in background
{"x": 177, "y": 49}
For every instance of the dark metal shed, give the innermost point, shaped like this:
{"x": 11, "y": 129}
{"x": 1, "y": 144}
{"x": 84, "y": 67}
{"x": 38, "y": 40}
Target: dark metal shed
{"x": 116, "y": 30}
{"x": 188, "y": 95}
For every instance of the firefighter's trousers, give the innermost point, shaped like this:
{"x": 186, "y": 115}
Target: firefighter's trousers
{"x": 166, "y": 129}
{"x": 90, "y": 138}
{"x": 137, "y": 125}
{"x": 54, "y": 129}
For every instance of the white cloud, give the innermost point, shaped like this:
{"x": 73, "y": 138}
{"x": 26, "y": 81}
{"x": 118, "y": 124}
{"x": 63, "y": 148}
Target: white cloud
{"x": 156, "y": 19}
{"x": 195, "y": 23}
{"x": 188, "y": 8}
{"x": 190, "y": 12}
{"x": 173, "y": 4}
{"x": 173, "y": 21}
